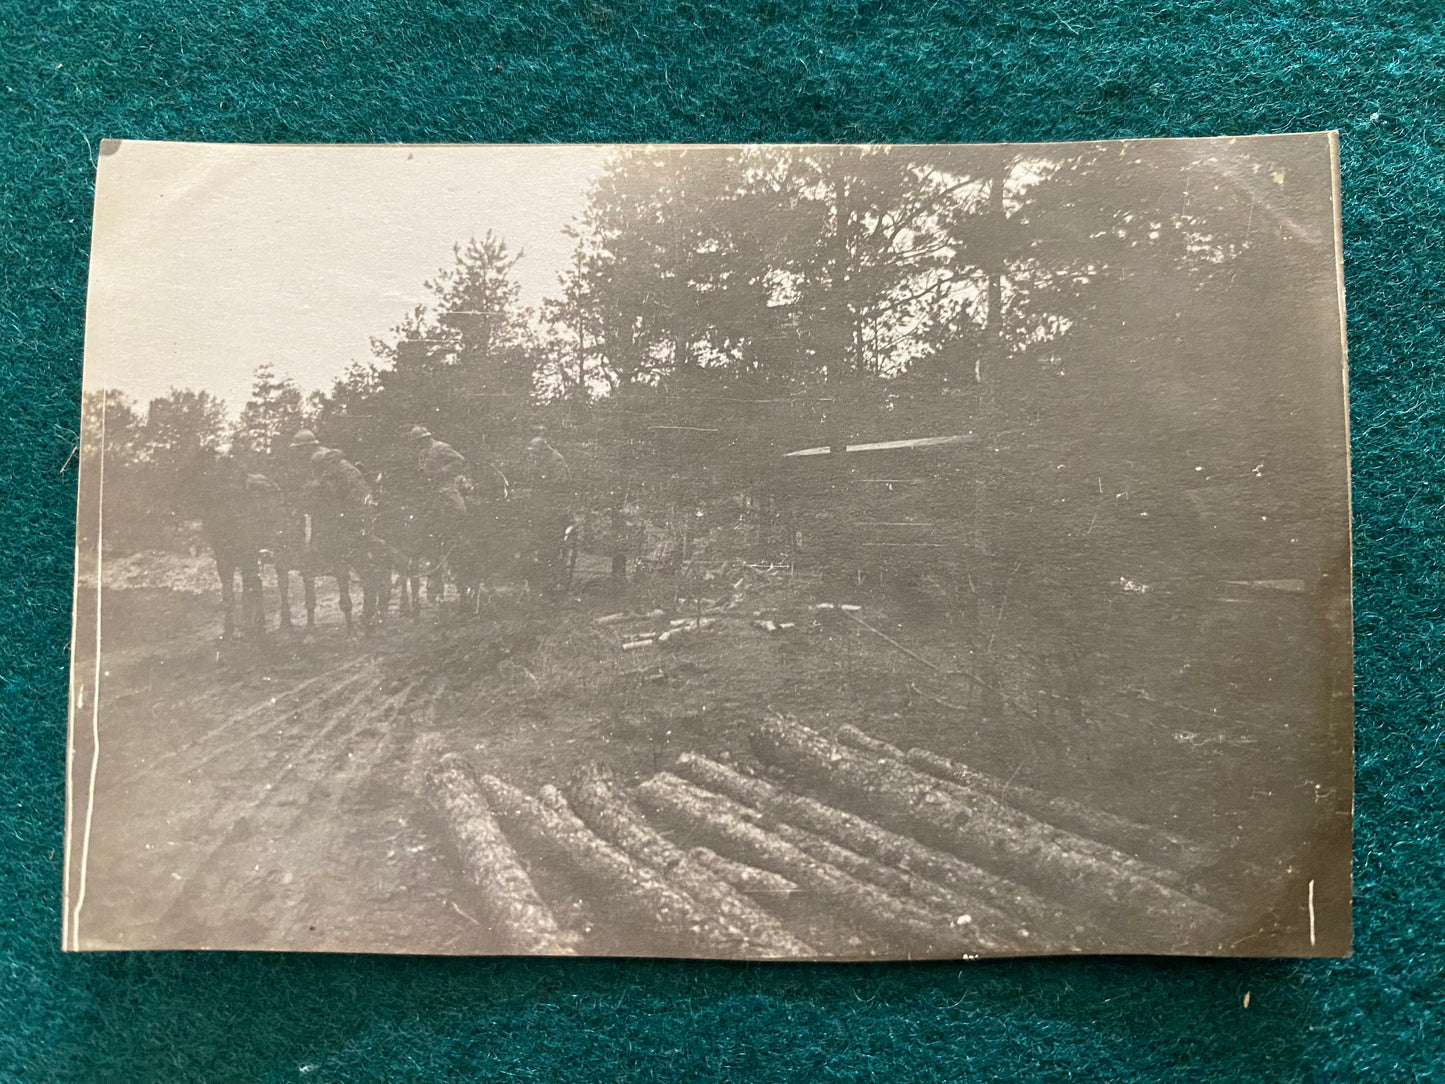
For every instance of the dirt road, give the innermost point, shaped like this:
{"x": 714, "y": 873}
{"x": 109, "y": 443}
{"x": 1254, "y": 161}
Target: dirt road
{"x": 261, "y": 794}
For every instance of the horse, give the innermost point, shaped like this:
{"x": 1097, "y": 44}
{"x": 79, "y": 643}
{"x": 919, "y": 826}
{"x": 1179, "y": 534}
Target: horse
{"x": 529, "y": 532}
{"x": 244, "y": 521}
{"x": 499, "y": 533}
{"x": 428, "y": 534}
{"x": 465, "y": 536}
{"x": 337, "y": 541}
{"x": 412, "y": 549}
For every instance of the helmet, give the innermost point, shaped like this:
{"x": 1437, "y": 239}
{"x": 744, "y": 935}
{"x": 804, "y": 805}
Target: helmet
{"x": 322, "y": 455}
{"x": 420, "y": 432}
{"x": 305, "y": 439}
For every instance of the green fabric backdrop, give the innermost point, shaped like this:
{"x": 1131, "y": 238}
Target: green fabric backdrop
{"x": 370, "y": 70}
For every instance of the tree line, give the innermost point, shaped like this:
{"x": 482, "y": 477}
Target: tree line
{"x": 1098, "y": 317}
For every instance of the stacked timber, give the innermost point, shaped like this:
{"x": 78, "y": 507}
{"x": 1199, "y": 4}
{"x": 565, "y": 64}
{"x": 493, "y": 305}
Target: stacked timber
{"x": 890, "y": 878}
{"x": 1119, "y": 832}
{"x": 636, "y": 892}
{"x": 732, "y": 829}
{"x": 1101, "y": 881}
{"x": 510, "y": 907}
{"x": 608, "y": 812}
{"x": 848, "y": 847}
{"x": 935, "y": 876}
{"x": 769, "y": 889}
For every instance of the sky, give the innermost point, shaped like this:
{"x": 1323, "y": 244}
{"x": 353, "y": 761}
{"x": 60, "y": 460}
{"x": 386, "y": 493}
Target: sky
{"x": 208, "y": 259}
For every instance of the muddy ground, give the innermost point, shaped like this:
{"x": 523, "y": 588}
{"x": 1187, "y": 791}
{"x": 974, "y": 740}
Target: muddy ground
{"x": 260, "y": 793}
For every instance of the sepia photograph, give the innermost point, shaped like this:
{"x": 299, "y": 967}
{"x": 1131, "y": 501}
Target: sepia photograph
{"x": 766, "y": 552}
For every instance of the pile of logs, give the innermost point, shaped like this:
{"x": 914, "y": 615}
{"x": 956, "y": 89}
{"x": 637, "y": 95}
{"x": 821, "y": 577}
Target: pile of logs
{"x": 836, "y": 847}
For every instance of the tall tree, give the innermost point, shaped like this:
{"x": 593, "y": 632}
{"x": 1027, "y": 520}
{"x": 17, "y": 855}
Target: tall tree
{"x": 838, "y": 261}
{"x": 271, "y": 416}
{"x": 344, "y": 416}
{"x": 110, "y": 430}
{"x": 464, "y": 362}
{"x": 180, "y": 424}
{"x": 112, "y": 455}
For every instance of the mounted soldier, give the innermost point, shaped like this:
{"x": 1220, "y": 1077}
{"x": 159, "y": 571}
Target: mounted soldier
{"x": 340, "y": 507}
{"x": 244, "y": 521}
{"x": 440, "y": 503}
{"x": 443, "y": 470}
{"x": 337, "y": 490}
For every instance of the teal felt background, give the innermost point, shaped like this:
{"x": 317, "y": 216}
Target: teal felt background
{"x": 72, "y": 73}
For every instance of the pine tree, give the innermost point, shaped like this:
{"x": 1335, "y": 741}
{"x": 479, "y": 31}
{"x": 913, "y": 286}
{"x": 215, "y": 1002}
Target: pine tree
{"x": 270, "y": 418}
{"x": 463, "y": 364}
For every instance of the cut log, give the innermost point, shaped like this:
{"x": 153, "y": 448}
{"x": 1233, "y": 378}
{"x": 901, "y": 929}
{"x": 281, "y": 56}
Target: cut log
{"x": 509, "y": 905}
{"x": 607, "y": 812}
{"x": 632, "y": 892}
{"x": 769, "y": 889}
{"x": 1170, "y": 851}
{"x": 945, "y": 881}
{"x": 730, "y": 827}
{"x": 1152, "y": 844}
{"x": 795, "y": 906}
{"x": 824, "y": 849}
{"x": 1109, "y": 887}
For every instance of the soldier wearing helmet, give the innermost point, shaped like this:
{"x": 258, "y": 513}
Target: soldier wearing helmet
{"x": 295, "y": 465}
{"x": 334, "y": 490}
{"x": 443, "y": 469}
{"x": 304, "y": 438}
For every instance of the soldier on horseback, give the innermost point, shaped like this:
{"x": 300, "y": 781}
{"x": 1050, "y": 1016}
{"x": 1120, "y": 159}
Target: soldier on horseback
{"x": 244, "y": 522}
{"x": 338, "y": 489}
{"x": 340, "y": 506}
{"x": 444, "y": 470}
{"x": 448, "y": 499}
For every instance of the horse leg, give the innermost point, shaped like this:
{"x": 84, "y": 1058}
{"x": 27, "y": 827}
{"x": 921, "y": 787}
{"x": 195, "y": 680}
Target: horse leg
{"x": 387, "y": 586}
{"x": 343, "y": 587}
{"x": 371, "y": 596}
{"x": 227, "y": 572}
{"x": 408, "y": 582}
{"x": 569, "y": 559}
{"x": 462, "y": 574}
{"x": 252, "y": 599}
{"x": 283, "y": 592}
{"x": 308, "y": 587}
{"x": 436, "y": 576}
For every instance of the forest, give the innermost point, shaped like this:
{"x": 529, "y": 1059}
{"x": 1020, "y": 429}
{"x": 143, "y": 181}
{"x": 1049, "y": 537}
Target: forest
{"x": 1099, "y": 326}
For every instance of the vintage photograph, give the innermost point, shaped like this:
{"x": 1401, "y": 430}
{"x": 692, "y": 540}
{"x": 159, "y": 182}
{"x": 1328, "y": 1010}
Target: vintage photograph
{"x": 752, "y": 552}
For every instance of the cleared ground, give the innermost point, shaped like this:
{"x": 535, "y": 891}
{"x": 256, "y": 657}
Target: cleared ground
{"x": 263, "y": 793}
